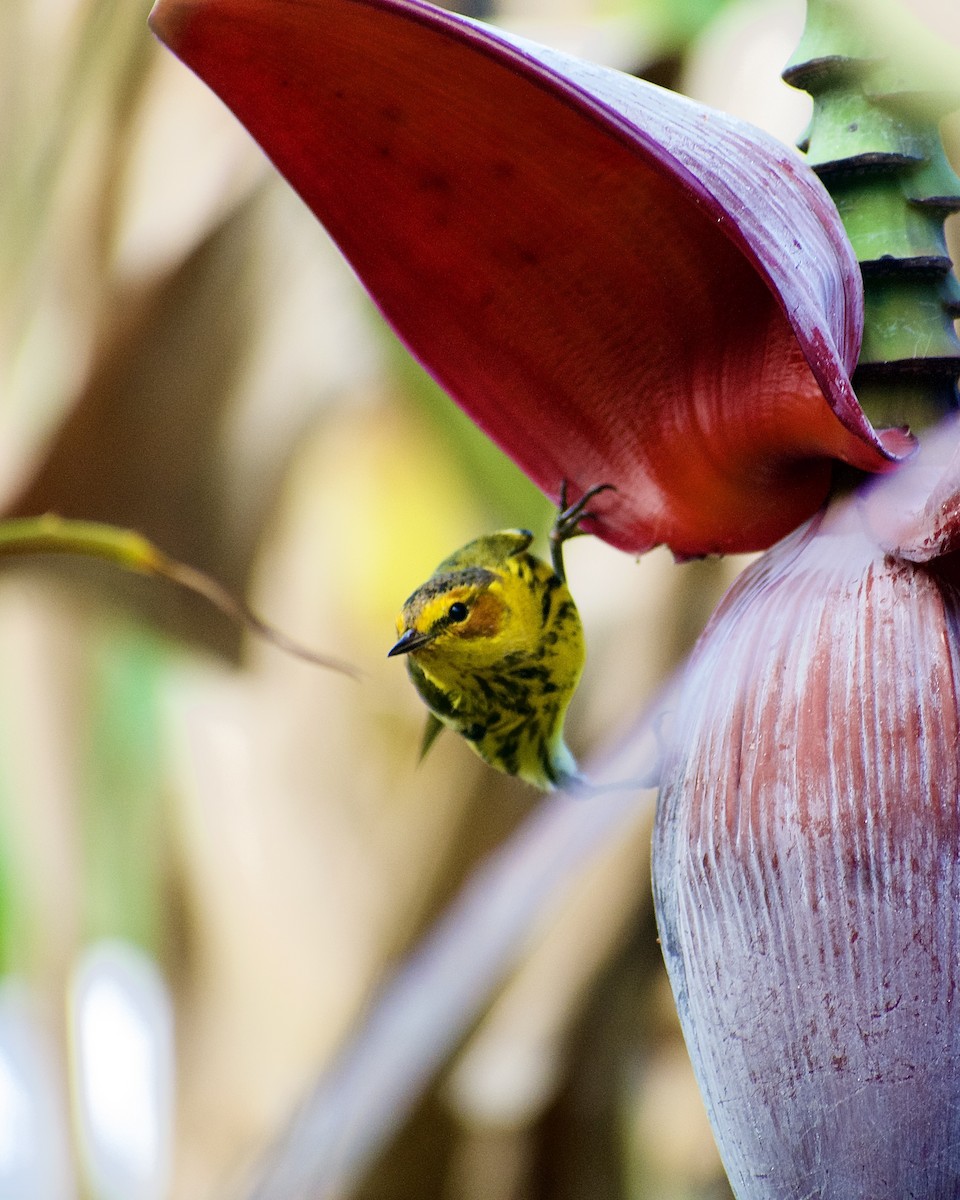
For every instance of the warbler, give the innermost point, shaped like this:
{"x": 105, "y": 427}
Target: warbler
{"x": 495, "y": 648}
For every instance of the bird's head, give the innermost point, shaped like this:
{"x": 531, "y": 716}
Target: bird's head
{"x": 456, "y": 614}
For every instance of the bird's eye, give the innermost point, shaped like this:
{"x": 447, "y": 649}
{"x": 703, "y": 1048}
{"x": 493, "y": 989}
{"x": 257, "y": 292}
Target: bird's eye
{"x": 457, "y": 611}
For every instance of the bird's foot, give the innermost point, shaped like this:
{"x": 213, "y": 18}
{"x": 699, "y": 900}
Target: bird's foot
{"x": 567, "y": 522}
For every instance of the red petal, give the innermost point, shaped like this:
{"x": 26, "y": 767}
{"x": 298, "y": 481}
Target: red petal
{"x": 617, "y": 285}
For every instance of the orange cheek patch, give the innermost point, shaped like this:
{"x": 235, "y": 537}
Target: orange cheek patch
{"x": 486, "y": 617}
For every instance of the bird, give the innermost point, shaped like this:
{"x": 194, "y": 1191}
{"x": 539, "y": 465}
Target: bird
{"x": 495, "y": 647}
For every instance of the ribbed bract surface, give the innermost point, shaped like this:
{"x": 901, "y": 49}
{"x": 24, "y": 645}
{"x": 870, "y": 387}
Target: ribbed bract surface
{"x": 807, "y": 872}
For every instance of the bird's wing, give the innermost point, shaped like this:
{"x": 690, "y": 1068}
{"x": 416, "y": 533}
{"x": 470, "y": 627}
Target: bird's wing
{"x": 430, "y": 731}
{"x": 490, "y": 551}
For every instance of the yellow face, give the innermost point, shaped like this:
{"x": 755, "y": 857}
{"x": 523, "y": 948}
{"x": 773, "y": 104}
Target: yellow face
{"x": 458, "y": 617}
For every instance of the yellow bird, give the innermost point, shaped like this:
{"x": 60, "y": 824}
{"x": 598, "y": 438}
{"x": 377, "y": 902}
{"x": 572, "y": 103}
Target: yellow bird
{"x": 495, "y": 648}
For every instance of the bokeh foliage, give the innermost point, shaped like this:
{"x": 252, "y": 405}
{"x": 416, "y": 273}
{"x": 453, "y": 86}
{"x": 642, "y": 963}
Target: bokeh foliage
{"x": 183, "y": 352}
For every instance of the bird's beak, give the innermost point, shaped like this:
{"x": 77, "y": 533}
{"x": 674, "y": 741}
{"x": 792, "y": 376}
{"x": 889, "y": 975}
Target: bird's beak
{"x": 409, "y": 640}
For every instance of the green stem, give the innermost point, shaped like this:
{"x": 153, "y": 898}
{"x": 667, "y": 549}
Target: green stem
{"x": 51, "y": 534}
{"x": 874, "y": 140}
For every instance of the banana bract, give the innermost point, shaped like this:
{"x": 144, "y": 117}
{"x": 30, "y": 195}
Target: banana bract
{"x": 807, "y": 851}
{"x": 618, "y": 285}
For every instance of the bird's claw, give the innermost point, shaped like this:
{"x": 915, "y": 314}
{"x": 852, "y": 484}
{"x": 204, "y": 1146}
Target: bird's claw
{"x": 567, "y": 523}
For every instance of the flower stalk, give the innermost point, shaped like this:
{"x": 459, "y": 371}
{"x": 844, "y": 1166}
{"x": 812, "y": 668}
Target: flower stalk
{"x": 874, "y": 142}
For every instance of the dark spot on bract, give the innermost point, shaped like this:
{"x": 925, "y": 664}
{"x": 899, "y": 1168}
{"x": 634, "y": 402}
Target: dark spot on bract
{"x": 435, "y": 181}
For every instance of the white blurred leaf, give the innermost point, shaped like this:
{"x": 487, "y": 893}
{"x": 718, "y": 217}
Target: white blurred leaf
{"x": 122, "y": 1041}
{"x": 34, "y": 1155}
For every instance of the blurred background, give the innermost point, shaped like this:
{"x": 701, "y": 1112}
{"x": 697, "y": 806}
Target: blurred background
{"x": 213, "y": 856}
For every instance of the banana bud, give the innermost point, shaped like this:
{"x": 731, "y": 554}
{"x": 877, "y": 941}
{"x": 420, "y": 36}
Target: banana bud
{"x": 807, "y": 851}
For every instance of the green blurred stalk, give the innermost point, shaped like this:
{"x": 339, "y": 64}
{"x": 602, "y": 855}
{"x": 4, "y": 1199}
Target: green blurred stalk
{"x": 17, "y": 926}
{"x": 874, "y": 141}
{"x": 122, "y": 789}
{"x": 51, "y": 534}
{"x": 122, "y": 768}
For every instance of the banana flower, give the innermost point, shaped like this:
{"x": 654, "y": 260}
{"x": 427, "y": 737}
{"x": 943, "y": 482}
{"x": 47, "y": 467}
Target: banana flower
{"x": 621, "y": 286}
